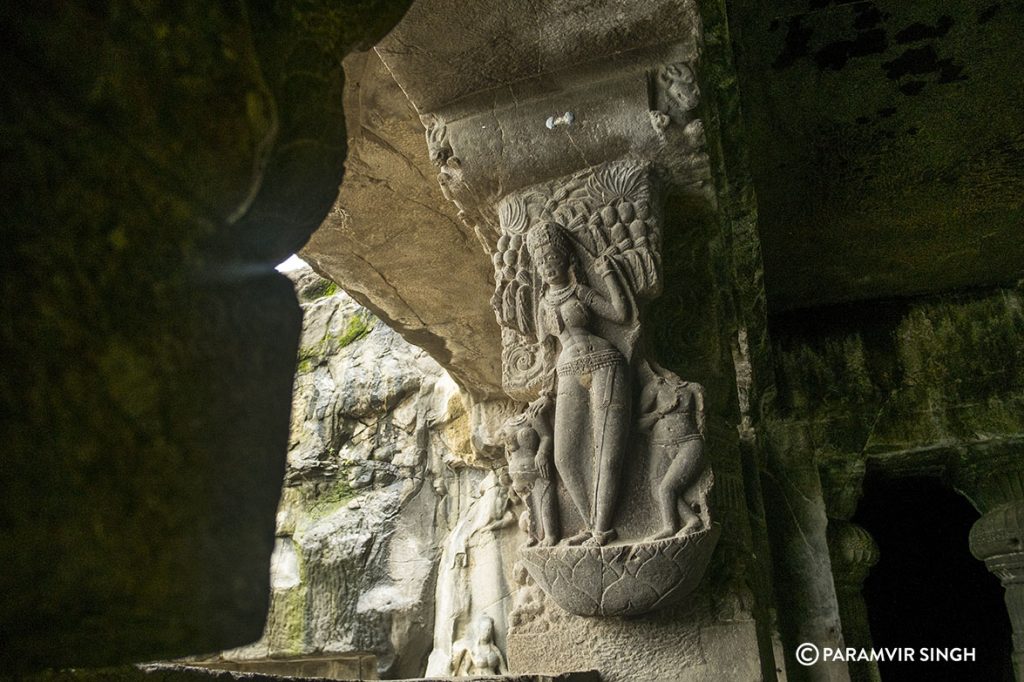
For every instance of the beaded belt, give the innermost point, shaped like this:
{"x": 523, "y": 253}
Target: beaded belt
{"x": 589, "y": 363}
{"x": 678, "y": 440}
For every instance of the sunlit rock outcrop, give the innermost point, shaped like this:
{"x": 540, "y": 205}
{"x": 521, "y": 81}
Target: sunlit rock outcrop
{"x": 380, "y": 514}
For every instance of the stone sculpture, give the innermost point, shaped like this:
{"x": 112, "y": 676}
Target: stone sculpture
{"x": 479, "y": 656}
{"x": 593, "y": 392}
{"x": 528, "y": 439}
{"x": 471, "y": 583}
{"x": 673, "y": 413}
{"x": 574, "y": 262}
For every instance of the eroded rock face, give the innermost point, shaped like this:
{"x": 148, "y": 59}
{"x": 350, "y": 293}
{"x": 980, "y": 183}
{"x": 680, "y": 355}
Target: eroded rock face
{"x": 391, "y": 234}
{"x": 380, "y": 515}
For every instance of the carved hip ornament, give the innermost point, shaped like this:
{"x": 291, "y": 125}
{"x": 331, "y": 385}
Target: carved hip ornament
{"x": 608, "y": 456}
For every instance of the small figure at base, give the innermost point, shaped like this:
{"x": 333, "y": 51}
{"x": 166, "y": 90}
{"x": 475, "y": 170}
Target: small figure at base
{"x": 480, "y": 656}
{"x": 528, "y": 444}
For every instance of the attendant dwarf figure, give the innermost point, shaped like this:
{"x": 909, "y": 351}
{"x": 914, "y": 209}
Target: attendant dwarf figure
{"x": 528, "y": 444}
{"x": 672, "y": 411}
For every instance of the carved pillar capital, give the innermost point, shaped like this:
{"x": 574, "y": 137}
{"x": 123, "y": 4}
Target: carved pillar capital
{"x": 853, "y": 552}
{"x": 575, "y": 262}
{"x": 996, "y": 486}
{"x": 991, "y": 479}
{"x": 559, "y": 180}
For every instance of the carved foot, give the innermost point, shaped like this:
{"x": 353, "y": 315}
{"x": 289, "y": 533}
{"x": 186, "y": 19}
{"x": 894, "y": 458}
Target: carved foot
{"x": 601, "y": 538}
{"x": 579, "y": 538}
{"x": 548, "y": 541}
{"x": 662, "y": 534}
{"x": 692, "y": 526}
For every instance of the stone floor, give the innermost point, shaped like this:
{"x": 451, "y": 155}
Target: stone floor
{"x": 179, "y": 673}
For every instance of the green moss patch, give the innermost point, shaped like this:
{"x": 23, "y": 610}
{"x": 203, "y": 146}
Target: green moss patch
{"x": 358, "y": 326}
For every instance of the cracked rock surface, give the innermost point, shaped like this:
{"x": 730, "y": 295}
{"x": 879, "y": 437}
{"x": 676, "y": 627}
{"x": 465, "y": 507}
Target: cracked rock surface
{"x": 374, "y": 422}
{"x": 398, "y": 245}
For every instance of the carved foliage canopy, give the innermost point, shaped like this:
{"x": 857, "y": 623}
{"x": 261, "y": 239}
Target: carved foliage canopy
{"x": 605, "y": 211}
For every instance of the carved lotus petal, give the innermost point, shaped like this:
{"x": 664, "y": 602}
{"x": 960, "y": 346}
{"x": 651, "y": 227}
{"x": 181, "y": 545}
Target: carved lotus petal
{"x": 625, "y": 579}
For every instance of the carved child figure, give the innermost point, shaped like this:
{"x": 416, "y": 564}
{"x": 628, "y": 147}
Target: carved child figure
{"x": 528, "y": 443}
{"x": 672, "y": 410}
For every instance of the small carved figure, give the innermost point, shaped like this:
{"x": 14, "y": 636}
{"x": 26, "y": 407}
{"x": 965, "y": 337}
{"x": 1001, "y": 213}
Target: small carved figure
{"x": 528, "y": 601}
{"x": 528, "y": 443}
{"x": 592, "y": 402}
{"x": 480, "y": 656}
{"x": 672, "y": 410}
{"x": 680, "y": 85}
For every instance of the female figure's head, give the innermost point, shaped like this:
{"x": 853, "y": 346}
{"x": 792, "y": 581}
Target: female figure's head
{"x": 485, "y": 630}
{"x": 550, "y": 252}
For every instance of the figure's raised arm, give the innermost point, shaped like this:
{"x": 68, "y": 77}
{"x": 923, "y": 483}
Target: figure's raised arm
{"x": 615, "y": 308}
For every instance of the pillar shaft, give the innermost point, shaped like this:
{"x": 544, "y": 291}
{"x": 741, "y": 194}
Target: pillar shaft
{"x": 994, "y": 482}
{"x": 853, "y": 553}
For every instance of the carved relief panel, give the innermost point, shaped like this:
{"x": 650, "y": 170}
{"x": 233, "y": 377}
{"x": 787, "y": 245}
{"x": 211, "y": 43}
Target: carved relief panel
{"x": 608, "y": 455}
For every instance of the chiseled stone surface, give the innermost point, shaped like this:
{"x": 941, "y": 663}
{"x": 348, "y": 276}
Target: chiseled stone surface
{"x": 666, "y": 646}
{"x": 498, "y": 48}
{"x": 893, "y": 381}
{"x": 394, "y": 242}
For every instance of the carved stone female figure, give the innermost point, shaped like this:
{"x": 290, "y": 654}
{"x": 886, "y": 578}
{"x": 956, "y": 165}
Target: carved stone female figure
{"x": 592, "y": 405}
{"x": 528, "y": 444}
{"x": 480, "y": 656}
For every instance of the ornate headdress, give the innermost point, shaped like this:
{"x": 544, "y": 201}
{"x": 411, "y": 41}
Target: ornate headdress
{"x": 548, "y": 235}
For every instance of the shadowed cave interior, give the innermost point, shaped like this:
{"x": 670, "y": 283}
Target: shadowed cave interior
{"x": 926, "y": 589}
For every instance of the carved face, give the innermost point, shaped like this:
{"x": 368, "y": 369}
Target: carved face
{"x": 552, "y": 266}
{"x": 485, "y": 629}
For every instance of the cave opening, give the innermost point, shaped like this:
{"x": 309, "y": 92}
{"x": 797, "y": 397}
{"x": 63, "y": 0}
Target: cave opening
{"x": 927, "y": 590}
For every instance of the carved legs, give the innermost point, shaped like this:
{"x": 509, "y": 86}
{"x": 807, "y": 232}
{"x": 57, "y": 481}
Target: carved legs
{"x": 686, "y": 465}
{"x": 571, "y": 437}
{"x": 547, "y": 512}
{"x": 591, "y": 430}
{"x": 610, "y": 418}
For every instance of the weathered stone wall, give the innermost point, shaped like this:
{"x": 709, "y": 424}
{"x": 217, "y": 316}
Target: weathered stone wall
{"x": 158, "y": 159}
{"x": 381, "y": 526}
{"x": 904, "y": 381}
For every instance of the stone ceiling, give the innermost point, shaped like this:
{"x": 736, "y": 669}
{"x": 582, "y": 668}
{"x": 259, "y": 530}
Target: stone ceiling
{"x": 885, "y": 137}
{"x": 886, "y": 143}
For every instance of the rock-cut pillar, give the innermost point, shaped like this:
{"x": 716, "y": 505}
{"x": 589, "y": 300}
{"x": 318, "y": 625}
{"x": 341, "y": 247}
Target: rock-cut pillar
{"x": 996, "y": 540}
{"x": 996, "y": 487}
{"x": 853, "y": 552}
